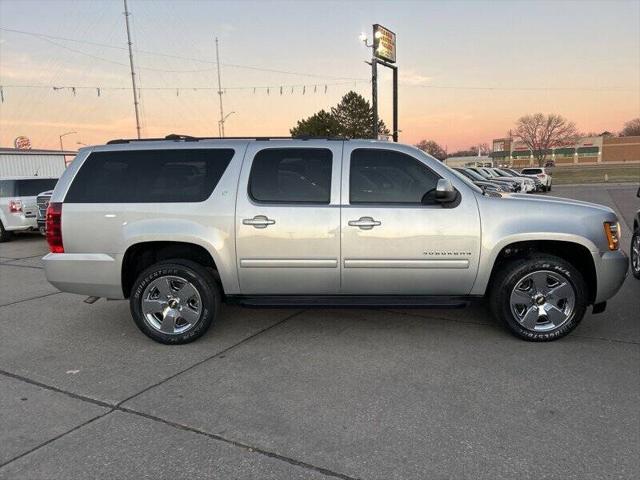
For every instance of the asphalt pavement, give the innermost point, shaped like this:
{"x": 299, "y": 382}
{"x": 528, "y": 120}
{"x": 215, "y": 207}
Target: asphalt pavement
{"x": 314, "y": 394}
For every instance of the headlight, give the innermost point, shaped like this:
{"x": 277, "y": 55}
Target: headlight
{"x": 612, "y": 232}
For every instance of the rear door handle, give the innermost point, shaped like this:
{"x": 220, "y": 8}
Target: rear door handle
{"x": 259, "y": 221}
{"x": 365, "y": 223}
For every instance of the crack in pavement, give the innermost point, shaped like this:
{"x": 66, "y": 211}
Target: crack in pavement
{"x": 9, "y": 264}
{"x": 28, "y": 299}
{"x": 118, "y": 407}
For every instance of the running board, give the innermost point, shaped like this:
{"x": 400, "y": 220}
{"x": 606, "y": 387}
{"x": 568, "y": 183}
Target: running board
{"x": 349, "y": 301}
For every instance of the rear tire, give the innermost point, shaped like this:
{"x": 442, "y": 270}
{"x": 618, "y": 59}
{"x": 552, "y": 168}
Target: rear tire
{"x": 539, "y": 298}
{"x": 5, "y": 236}
{"x": 634, "y": 253}
{"x": 174, "y": 301}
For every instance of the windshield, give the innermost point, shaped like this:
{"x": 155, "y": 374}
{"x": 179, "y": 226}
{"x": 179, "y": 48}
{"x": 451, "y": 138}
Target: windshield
{"x": 502, "y": 173}
{"x": 29, "y": 187}
{"x": 472, "y": 174}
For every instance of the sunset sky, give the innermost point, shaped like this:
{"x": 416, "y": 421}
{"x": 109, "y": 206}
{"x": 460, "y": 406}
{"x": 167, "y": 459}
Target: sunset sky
{"x": 468, "y": 70}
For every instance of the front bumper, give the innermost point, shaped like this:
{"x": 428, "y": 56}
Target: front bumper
{"x": 91, "y": 274}
{"x": 611, "y": 270}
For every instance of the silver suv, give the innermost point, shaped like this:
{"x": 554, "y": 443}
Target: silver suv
{"x": 178, "y": 226}
{"x": 18, "y": 209}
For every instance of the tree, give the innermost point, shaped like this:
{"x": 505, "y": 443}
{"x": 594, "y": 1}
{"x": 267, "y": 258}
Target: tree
{"x": 542, "y": 132}
{"x": 432, "y": 148}
{"x": 631, "y": 128}
{"x": 321, "y": 124}
{"x": 351, "y": 118}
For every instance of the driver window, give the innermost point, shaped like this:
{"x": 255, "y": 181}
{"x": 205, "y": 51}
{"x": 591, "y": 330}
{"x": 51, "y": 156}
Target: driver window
{"x": 386, "y": 176}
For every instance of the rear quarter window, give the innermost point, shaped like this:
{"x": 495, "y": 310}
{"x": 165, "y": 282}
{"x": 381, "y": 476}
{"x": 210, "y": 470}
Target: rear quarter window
{"x": 149, "y": 176}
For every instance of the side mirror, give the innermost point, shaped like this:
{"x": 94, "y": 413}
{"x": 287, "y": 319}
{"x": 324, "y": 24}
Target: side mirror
{"x": 445, "y": 192}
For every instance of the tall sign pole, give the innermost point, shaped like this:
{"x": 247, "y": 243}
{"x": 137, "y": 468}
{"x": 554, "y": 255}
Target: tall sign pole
{"x": 384, "y": 53}
{"x": 133, "y": 73}
{"x": 374, "y": 95}
{"x": 221, "y": 122}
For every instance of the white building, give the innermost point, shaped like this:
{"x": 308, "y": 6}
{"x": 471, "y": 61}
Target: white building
{"x": 43, "y": 163}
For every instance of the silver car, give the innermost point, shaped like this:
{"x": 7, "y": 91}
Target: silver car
{"x": 178, "y": 226}
{"x": 18, "y": 209}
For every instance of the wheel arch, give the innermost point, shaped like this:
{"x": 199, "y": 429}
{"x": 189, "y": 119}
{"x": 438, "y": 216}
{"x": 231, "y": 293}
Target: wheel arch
{"x": 141, "y": 255}
{"x": 575, "y": 253}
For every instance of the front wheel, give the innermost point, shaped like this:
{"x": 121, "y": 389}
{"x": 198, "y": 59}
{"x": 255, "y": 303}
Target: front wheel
{"x": 174, "y": 301}
{"x": 635, "y": 253}
{"x": 540, "y": 298}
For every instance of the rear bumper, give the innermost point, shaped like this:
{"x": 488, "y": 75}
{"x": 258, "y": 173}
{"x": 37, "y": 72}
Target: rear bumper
{"x": 91, "y": 274}
{"x": 611, "y": 270}
{"x": 16, "y": 222}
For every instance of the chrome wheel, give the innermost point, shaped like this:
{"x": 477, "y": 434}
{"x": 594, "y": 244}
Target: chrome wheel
{"x": 635, "y": 253}
{"x": 543, "y": 301}
{"x": 171, "y": 305}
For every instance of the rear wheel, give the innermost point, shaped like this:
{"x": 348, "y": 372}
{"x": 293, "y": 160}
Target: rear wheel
{"x": 174, "y": 301}
{"x": 5, "y": 236}
{"x": 635, "y": 253}
{"x": 540, "y": 298}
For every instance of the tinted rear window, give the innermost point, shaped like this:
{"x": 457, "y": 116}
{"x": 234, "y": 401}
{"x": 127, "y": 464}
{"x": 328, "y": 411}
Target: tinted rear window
{"x": 26, "y": 188}
{"x": 149, "y": 176}
{"x": 532, "y": 170}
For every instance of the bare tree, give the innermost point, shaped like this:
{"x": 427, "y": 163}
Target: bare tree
{"x": 631, "y": 128}
{"x": 432, "y": 148}
{"x": 542, "y": 132}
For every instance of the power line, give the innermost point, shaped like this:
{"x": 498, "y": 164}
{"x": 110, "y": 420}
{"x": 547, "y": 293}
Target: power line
{"x": 167, "y": 55}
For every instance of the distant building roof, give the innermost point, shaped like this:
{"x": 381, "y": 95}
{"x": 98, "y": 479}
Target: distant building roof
{"x": 35, "y": 151}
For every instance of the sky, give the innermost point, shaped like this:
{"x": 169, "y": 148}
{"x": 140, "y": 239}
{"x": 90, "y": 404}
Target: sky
{"x": 468, "y": 69}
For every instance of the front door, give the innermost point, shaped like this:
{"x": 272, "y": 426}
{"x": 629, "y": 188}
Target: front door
{"x": 396, "y": 240}
{"x": 288, "y": 219}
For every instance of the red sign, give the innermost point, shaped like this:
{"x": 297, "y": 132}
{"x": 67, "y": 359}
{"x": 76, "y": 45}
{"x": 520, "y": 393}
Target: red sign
{"x": 22, "y": 143}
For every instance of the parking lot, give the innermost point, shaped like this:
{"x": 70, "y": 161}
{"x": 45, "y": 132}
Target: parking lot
{"x": 278, "y": 394}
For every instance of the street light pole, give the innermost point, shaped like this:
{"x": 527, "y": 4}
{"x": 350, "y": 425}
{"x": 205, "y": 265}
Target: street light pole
{"x": 64, "y": 135}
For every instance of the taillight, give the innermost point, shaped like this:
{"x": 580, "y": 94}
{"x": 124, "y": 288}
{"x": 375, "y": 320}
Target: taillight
{"x": 541, "y": 175}
{"x": 54, "y": 227}
{"x": 15, "y": 206}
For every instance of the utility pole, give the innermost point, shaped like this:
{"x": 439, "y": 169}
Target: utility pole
{"x": 133, "y": 73}
{"x": 222, "y": 118}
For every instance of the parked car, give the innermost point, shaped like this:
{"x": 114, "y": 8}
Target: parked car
{"x": 513, "y": 184}
{"x": 510, "y": 173}
{"x": 18, "y": 209}
{"x": 42, "y": 200}
{"x": 179, "y": 226}
{"x": 541, "y": 174}
{"x": 481, "y": 182}
{"x": 526, "y": 184}
{"x": 634, "y": 251}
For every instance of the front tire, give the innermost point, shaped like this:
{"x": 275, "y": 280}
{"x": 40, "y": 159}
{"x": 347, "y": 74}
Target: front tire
{"x": 634, "y": 253}
{"x": 174, "y": 301}
{"x": 539, "y": 298}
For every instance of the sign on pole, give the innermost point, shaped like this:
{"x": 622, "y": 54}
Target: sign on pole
{"x": 384, "y": 44}
{"x": 22, "y": 143}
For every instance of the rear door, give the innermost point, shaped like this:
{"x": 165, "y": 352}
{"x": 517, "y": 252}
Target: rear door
{"x": 395, "y": 238}
{"x": 288, "y": 218}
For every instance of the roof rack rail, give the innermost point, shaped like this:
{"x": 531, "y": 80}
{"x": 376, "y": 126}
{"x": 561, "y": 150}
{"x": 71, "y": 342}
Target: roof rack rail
{"x": 187, "y": 138}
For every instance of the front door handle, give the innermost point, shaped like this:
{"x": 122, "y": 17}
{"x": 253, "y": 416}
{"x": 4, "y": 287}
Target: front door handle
{"x": 259, "y": 221}
{"x": 365, "y": 223}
